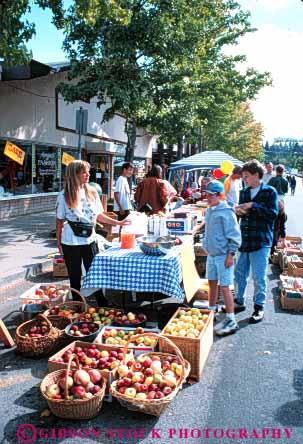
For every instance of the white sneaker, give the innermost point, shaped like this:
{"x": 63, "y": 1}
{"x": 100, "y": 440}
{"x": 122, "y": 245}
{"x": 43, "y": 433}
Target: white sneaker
{"x": 226, "y": 327}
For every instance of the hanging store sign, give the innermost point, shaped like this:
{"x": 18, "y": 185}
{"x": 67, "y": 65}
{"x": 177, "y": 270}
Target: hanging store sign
{"x": 14, "y": 152}
{"x": 67, "y": 158}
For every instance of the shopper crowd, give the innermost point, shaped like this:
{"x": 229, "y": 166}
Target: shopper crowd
{"x": 244, "y": 221}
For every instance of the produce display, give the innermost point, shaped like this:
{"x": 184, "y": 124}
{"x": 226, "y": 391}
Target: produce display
{"x": 149, "y": 377}
{"x": 38, "y": 331}
{"x": 51, "y": 291}
{"x": 81, "y": 384}
{"x": 62, "y": 310}
{"x": 116, "y": 336}
{"x": 102, "y": 316}
{"x": 129, "y": 319}
{"x": 187, "y": 323}
{"x": 92, "y": 357}
{"x": 82, "y": 329}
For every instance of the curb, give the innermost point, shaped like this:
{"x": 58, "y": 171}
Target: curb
{"x": 28, "y": 272}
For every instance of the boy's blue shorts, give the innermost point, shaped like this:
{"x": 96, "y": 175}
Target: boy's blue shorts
{"x": 216, "y": 271}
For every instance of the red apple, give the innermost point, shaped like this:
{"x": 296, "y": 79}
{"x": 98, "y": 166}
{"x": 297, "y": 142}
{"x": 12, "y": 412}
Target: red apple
{"x": 147, "y": 362}
{"x": 151, "y": 395}
{"x": 137, "y": 386}
{"x": 144, "y": 388}
{"x": 122, "y": 390}
{"x": 127, "y": 382}
{"x": 148, "y": 372}
{"x": 78, "y": 391}
{"x": 159, "y": 395}
{"x": 167, "y": 391}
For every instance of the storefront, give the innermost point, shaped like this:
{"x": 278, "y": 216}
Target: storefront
{"x": 41, "y": 171}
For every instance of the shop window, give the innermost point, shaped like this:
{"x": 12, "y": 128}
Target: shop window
{"x": 100, "y": 171}
{"x": 15, "y": 179}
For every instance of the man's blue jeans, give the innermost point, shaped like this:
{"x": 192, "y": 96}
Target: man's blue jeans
{"x": 257, "y": 262}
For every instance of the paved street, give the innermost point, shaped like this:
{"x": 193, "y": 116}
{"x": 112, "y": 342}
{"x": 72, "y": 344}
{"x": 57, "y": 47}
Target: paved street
{"x": 253, "y": 380}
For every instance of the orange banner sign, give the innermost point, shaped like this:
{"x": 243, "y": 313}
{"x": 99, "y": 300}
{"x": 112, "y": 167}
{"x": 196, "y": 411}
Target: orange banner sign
{"x": 66, "y": 159}
{"x": 14, "y": 152}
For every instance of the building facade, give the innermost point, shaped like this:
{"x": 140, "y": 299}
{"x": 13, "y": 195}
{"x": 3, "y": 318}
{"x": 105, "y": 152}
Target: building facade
{"x": 38, "y": 121}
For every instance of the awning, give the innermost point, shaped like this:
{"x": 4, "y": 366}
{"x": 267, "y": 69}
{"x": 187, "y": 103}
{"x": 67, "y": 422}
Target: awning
{"x": 204, "y": 160}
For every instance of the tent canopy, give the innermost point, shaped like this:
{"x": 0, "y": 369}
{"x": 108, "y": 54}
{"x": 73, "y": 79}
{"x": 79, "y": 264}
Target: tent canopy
{"x": 204, "y": 160}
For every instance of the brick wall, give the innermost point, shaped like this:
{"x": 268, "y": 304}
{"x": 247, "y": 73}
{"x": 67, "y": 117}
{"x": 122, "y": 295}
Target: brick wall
{"x": 18, "y": 206}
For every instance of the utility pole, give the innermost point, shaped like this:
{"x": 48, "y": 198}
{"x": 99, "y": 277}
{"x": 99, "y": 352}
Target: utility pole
{"x": 81, "y": 126}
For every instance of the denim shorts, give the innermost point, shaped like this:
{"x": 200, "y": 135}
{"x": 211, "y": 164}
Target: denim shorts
{"x": 216, "y": 270}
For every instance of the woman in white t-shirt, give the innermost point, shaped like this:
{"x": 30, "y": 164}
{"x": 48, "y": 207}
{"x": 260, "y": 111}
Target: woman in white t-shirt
{"x": 78, "y": 209}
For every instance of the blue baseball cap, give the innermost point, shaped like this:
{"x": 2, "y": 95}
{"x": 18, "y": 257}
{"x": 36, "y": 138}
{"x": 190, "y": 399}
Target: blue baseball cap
{"x": 214, "y": 186}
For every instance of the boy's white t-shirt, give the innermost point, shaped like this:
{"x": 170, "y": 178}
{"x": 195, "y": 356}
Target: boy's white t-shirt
{"x": 122, "y": 187}
{"x": 86, "y": 211}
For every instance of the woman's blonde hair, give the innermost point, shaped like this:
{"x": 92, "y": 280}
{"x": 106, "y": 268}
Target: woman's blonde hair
{"x": 72, "y": 183}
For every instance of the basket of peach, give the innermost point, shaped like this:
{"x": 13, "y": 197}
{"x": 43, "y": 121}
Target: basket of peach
{"x": 149, "y": 383}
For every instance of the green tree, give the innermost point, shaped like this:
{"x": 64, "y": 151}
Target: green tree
{"x": 16, "y": 31}
{"x": 155, "y": 61}
{"x": 236, "y": 133}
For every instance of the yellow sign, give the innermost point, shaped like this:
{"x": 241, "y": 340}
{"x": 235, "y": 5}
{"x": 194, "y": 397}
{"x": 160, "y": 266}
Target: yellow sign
{"x": 14, "y": 152}
{"x": 66, "y": 159}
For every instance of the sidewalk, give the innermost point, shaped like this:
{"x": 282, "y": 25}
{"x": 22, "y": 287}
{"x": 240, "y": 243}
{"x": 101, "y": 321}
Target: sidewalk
{"x": 25, "y": 243}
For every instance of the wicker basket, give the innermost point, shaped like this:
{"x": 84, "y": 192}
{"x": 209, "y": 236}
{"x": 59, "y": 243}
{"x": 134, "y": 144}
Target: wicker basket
{"x": 72, "y": 409}
{"x": 36, "y": 347}
{"x": 195, "y": 350}
{"x": 153, "y": 406}
{"x": 60, "y": 323}
{"x": 77, "y": 306}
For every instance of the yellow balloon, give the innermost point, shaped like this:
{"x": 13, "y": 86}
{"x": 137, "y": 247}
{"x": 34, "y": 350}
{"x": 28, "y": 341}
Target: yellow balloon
{"x": 226, "y": 167}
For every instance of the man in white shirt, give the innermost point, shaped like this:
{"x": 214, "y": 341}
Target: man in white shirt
{"x": 269, "y": 172}
{"x": 122, "y": 202}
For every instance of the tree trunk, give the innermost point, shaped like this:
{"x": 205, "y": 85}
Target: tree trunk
{"x": 194, "y": 149}
{"x": 170, "y": 153}
{"x": 187, "y": 149}
{"x": 180, "y": 147}
{"x": 161, "y": 153}
{"x": 131, "y": 131}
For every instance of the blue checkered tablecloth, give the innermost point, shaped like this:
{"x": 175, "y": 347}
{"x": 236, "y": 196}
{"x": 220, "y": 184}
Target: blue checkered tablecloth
{"x": 132, "y": 270}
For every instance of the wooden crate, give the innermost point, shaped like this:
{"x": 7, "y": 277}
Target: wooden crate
{"x": 295, "y": 269}
{"x": 194, "y": 350}
{"x": 108, "y": 375}
{"x": 29, "y": 296}
{"x": 291, "y": 303}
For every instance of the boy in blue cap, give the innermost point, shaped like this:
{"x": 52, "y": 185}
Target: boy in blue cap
{"x": 222, "y": 239}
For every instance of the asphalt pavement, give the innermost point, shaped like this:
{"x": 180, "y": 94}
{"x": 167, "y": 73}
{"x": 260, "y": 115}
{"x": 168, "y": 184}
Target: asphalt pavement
{"x": 251, "y": 390}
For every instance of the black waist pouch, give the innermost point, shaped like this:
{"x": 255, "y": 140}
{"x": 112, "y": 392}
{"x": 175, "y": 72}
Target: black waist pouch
{"x": 81, "y": 229}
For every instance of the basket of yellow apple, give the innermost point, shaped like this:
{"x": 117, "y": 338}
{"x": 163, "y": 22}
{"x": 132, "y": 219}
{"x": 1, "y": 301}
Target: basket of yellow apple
{"x": 150, "y": 382}
{"x": 190, "y": 329}
{"x": 139, "y": 339}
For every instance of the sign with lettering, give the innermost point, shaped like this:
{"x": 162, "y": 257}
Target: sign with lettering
{"x": 46, "y": 163}
{"x": 175, "y": 226}
{"x": 67, "y": 158}
{"x": 14, "y": 152}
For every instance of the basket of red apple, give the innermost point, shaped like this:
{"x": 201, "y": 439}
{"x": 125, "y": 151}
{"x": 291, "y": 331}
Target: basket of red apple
{"x": 36, "y": 337}
{"x": 74, "y": 394}
{"x": 87, "y": 331}
{"x": 149, "y": 383}
{"x": 130, "y": 319}
{"x": 69, "y": 309}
